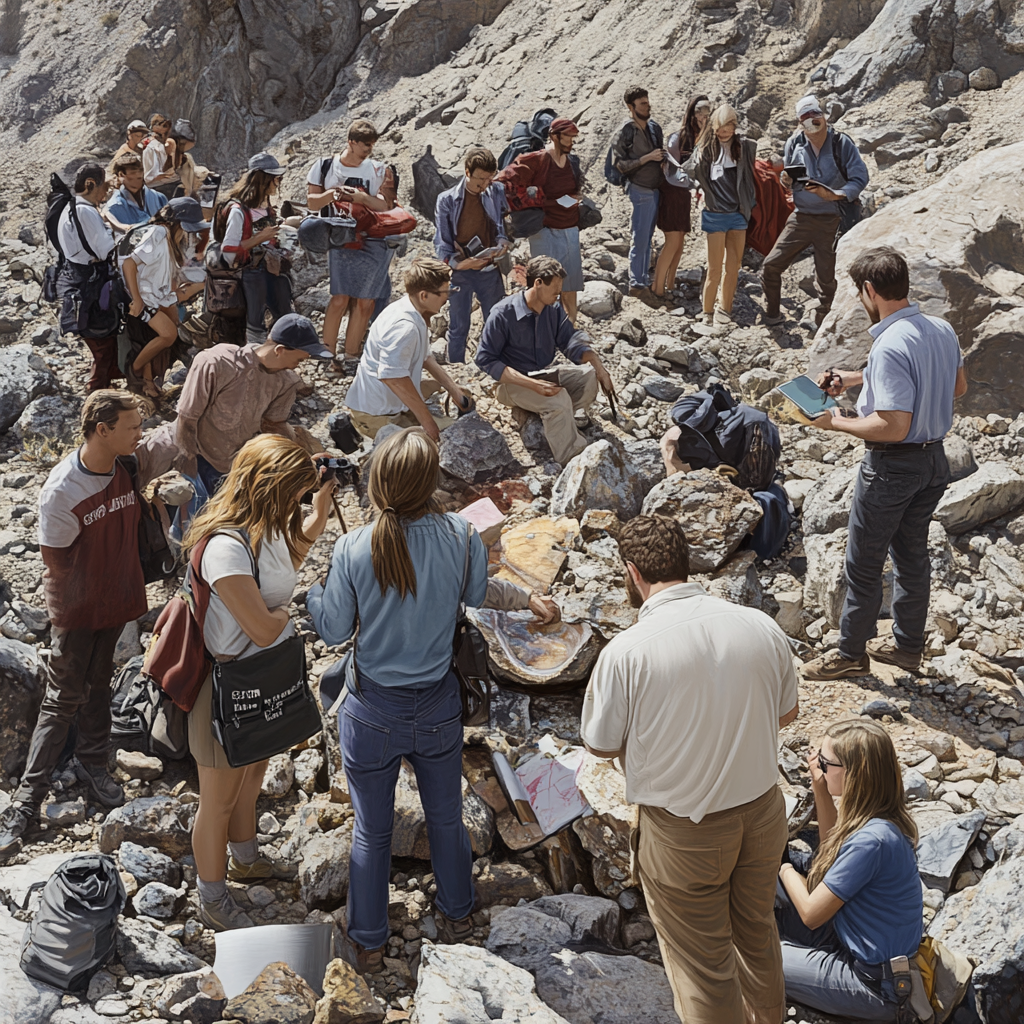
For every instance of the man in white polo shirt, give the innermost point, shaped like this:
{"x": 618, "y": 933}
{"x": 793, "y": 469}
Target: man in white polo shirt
{"x": 388, "y": 386}
{"x": 691, "y": 700}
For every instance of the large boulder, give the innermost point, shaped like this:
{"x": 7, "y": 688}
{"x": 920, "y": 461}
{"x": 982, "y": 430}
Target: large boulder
{"x": 23, "y": 377}
{"x": 473, "y": 452}
{"x": 146, "y": 951}
{"x": 605, "y": 833}
{"x": 966, "y": 264}
{"x": 469, "y": 985}
{"x": 988, "y": 494}
{"x": 48, "y": 417}
{"x": 827, "y": 508}
{"x": 277, "y": 994}
{"x": 986, "y": 921}
{"x": 159, "y": 821}
{"x": 22, "y": 683}
{"x": 715, "y": 514}
{"x": 601, "y": 476}
{"x": 323, "y": 868}
{"x": 825, "y": 579}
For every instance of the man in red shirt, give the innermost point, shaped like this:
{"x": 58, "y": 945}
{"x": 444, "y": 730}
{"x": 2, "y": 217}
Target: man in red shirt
{"x": 551, "y": 179}
{"x": 89, "y": 539}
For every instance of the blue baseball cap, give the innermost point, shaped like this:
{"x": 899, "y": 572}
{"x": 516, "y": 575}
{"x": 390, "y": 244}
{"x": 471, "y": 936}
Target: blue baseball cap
{"x": 298, "y": 332}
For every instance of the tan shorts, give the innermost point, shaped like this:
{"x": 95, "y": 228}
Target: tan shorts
{"x": 201, "y": 742}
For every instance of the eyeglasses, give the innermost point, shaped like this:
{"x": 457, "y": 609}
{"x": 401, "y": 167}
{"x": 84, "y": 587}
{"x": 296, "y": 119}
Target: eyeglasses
{"x": 825, "y": 765}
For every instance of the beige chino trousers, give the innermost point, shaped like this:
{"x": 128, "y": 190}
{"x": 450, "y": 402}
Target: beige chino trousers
{"x": 710, "y": 890}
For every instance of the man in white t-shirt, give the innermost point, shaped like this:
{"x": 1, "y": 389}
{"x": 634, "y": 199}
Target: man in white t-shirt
{"x": 691, "y": 700}
{"x": 388, "y": 386}
{"x": 360, "y": 275}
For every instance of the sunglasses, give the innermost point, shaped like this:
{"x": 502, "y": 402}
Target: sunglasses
{"x": 825, "y": 765}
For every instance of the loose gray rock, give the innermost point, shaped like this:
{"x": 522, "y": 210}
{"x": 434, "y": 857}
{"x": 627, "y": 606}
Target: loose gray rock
{"x": 825, "y": 579}
{"x": 145, "y": 864}
{"x": 591, "y": 918}
{"x": 991, "y": 492}
{"x": 23, "y": 378}
{"x": 880, "y": 708}
{"x": 915, "y": 785}
{"x": 25, "y": 1000}
{"x": 599, "y": 477}
{"x": 144, "y": 950}
{"x": 22, "y": 684}
{"x": 599, "y": 300}
{"x": 827, "y": 507}
{"x": 960, "y": 457}
{"x": 473, "y": 452}
{"x": 323, "y": 869}
{"x": 526, "y": 937}
{"x": 661, "y": 388}
{"x": 157, "y": 900}
{"x": 197, "y": 996}
{"x": 279, "y": 776}
{"x": 47, "y": 417}
{"x": 157, "y": 820}
{"x": 940, "y": 851}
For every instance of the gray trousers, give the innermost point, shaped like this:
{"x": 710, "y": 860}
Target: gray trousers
{"x": 893, "y": 501}
{"x": 820, "y": 972}
{"x": 802, "y": 230}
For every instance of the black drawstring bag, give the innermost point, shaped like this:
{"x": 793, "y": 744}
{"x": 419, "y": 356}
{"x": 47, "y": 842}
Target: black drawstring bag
{"x": 74, "y": 930}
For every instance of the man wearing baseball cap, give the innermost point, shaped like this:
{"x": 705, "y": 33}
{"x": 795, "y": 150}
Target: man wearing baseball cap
{"x": 232, "y": 393}
{"x": 833, "y": 175}
{"x": 541, "y": 179}
{"x": 134, "y": 134}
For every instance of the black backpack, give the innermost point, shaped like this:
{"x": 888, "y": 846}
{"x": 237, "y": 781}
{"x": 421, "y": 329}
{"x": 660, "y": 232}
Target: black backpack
{"x": 527, "y": 136}
{"x": 74, "y": 931}
{"x": 158, "y": 560}
{"x": 60, "y": 198}
{"x": 143, "y": 717}
{"x": 611, "y": 172}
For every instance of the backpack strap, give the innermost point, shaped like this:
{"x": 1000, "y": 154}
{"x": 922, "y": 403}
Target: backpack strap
{"x": 837, "y": 153}
{"x": 325, "y": 166}
{"x": 73, "y": 214}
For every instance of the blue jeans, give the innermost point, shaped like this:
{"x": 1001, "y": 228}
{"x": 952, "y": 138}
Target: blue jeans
{"x": 641, "y": 227}
{"x": 264, "y": 290}
{"x": 893, "y": 501}
{"x": 378, "y": 726}
{"x": 488, "y": 287}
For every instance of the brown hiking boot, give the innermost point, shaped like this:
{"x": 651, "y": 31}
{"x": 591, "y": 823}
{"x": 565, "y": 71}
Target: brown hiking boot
{"x": 365, "y": 961}
{"x": 646, "y": 296}
{"x": 885, "y": 649}
{"x": 450, "y": 931}
{"x": 834, "y": 666}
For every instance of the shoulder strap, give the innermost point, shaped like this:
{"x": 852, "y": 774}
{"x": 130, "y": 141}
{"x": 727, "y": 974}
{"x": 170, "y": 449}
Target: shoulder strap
{"x": 325, "y": 166}
{"x": 465, "y": 565}
{"x": 73, "y": 214}
{"x": 837, "y": 153}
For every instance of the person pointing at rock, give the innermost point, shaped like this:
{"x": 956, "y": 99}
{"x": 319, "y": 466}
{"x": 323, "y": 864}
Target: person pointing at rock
{"x": 914, "y": 372}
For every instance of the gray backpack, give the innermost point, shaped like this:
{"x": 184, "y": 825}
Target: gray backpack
{"x": 74, "y": 931}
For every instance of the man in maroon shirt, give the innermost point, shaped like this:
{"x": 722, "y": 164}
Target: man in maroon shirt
{"x": 89, "y": 539}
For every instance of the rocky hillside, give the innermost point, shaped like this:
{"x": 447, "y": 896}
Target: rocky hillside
{"x": 931, "y": 90}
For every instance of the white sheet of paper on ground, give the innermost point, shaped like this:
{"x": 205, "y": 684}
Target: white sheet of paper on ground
{"x": 550, "y": 784}
{"x": 791, "y": 804}
{"x": 244, "y": 952}
{"x": 567, "y": 201}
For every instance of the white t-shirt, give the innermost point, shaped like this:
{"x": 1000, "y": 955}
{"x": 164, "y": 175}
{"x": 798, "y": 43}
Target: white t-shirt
{"x": 152, "y": 256}
{"x": 226, "y": 556}
{"x": 694, "y": 691}
{"x": 718, "y": 167}
{"x": 154, "y": 158}
{"x": 369, "y": 176}
{"x": 397, "y": 346}
{"x": 94, "y": 227}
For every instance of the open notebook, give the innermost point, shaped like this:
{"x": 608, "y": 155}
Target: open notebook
{"x": 542, "y": 790}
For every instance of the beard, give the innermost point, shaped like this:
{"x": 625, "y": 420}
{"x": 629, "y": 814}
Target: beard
{"x": 635, "y": 597}
{"x": 871, "y": 309}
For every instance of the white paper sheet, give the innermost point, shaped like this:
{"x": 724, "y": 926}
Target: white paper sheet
{"x": 244, "y": 952}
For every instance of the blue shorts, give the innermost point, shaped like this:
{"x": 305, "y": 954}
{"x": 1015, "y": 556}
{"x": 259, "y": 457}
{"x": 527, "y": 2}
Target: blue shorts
{"x": 564, "y": 245}
{"x": 361, "y": 273}
{"x": 711, "y": 222}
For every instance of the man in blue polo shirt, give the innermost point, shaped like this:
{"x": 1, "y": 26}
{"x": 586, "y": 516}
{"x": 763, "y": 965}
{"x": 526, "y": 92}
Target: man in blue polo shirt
{"x": 518, "y": 346}
{"x": 134, "y": 202}
{"x": 914, "y": 372}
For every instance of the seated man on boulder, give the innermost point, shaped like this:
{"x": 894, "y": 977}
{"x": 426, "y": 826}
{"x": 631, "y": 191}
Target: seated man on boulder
{"x": 388, "y": 386}
{"x": 518, "y": 346}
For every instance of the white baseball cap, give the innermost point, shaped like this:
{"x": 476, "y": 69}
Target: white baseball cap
{"x": 808, "y": 105}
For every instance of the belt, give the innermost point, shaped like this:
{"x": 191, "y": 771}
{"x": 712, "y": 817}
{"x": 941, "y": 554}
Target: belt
{"x": 901, "y": 446}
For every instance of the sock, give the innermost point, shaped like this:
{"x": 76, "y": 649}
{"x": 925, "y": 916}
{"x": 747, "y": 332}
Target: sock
{"x": 211, "y": 892}
{"x": 246, "y": 852}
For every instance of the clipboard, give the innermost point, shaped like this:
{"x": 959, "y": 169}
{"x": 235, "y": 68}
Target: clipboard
{"x": 804, "y": 400}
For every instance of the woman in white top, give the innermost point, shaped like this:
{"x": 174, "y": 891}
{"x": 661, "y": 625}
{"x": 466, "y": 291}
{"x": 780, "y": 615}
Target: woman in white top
{"x": 158, "y": 156}
{"x": 260, "y": 499}
{"x": 150, "y": 275}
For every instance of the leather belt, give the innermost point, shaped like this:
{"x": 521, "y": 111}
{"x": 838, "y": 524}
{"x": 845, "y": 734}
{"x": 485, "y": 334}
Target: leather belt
{"x": 901, "y": 446}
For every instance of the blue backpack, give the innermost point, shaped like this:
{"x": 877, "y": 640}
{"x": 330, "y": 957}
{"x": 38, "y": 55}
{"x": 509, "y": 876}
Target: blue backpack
{"x": 611, "y": 172}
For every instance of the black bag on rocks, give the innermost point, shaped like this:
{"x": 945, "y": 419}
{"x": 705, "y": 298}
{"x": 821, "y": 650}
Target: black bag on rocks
{"x": 74, "y": 931}
{"x": 143, "y": 717}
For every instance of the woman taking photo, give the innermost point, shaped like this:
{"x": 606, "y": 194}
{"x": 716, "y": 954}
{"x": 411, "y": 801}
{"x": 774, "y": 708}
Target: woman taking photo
{"x": 675, "y": 202}
{"x": 259, "y": 499}
{"x": 247, "y": 227}
{"x": 722, "y": 164}
{"x": 860, "y": 905}
{"x": 151, "y": 274}
{"x": 404, "y": 577}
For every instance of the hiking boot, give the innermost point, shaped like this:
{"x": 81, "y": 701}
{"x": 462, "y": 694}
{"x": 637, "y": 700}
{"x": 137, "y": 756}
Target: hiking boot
{"x": 772, "y": 319}
{"x": 646, "y": 296}
{"x": 259, "y": 870}
{"x": 100, "y": 785}
{"x": 224, "y": 914}
{"x": 365, "y": 961}
{"x": 721, "y": 317}
{"x": 885, "y": 649}
{"x": 706, "y": 318}
{"x": 15, "y": 823}
{"x": 834, "y": 666}
{"x": 819, "y": 315}
{"x": 450, "y": 931}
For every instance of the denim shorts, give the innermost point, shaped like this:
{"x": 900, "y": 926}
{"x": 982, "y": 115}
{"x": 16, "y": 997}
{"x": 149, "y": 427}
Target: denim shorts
{"x": 711, "y": 222}
{"x": 361, "y": 273}
{"x": 564, "y": 245}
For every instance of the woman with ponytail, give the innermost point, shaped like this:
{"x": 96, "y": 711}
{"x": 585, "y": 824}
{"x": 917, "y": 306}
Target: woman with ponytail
{"x": 402, "y": 578}
{"x": 860, "y": 904}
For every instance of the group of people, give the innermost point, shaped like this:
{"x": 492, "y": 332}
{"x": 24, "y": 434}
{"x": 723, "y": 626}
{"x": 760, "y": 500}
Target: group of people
{"x": 690, "y": 699}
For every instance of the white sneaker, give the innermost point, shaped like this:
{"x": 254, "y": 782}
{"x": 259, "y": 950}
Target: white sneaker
{"x": 721, "y": 317}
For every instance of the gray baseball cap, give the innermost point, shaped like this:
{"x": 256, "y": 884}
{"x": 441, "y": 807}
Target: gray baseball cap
{"x": 267, "y": 163}
{"x": 296, "y": 331}
{"x": 188, "y": 213}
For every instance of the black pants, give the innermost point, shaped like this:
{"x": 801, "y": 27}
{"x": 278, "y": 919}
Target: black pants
{"x": 77, "y": 691}
{"x": 893, "y": 501}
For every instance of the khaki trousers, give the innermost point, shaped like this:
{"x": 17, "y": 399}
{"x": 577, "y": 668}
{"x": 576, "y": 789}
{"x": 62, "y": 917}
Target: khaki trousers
{"x": 710, "y": 890}
{"x": 579, "y": 390}
{"x": 368, "y": 425}
{"x": 802, "y": 230}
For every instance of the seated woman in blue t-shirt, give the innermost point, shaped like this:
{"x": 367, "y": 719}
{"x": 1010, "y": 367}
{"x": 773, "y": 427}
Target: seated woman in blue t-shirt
{"x": 860, "y": 904}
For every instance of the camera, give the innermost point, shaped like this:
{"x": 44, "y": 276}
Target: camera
{"x": 345, "y": 471}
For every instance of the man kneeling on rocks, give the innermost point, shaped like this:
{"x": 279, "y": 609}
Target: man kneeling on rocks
{"x": 89, "y": 540}
{"x": 388, "y": 387}
{"x": 691, "y": 700}
{"x": 517, "y": 348}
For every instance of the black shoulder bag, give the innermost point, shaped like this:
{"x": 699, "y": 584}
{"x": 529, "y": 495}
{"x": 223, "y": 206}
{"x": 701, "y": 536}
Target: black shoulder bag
{"x": 469, "y": 659}
{"x": 262, "y": 705}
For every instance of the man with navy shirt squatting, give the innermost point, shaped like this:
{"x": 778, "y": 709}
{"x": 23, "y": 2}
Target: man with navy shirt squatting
{"x": 905, "y": 409}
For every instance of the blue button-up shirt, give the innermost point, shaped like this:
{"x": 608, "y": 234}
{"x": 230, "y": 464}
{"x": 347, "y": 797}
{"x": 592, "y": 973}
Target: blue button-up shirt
{"x": 516, "y": 336}
{"x": 912, "y": 367}
{"x": 822, "y": 167}
{"x": 448, "y": 210}
{"x": 122, "y": 205}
